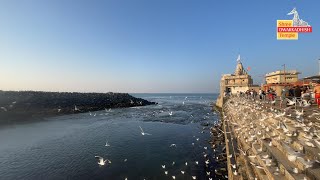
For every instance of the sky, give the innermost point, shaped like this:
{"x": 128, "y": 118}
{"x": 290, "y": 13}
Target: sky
{"x": 148, "y": 46}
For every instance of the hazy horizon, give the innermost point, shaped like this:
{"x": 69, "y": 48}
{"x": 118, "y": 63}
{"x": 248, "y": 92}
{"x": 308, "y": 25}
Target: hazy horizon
{"x": 147, "y": 46}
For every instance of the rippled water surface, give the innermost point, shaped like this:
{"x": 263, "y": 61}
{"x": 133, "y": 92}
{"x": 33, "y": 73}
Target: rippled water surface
{"x": 64, "y": 147}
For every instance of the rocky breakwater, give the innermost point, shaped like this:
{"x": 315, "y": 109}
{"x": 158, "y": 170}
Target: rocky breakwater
{"x": 24, "y": 105}
{"x": 266, "y": 142}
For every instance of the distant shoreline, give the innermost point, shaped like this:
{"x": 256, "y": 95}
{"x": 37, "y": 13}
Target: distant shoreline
{"x": 21, "y": 106}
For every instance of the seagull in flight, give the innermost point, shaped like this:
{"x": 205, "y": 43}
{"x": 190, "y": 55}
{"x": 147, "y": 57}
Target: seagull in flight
{"x": 101, "y": 161}
{"x": 143, "y": 133}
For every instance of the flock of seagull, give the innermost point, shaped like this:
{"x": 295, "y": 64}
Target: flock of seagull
{"x": 261, "y": 129}
{"x": 208, "y": 159}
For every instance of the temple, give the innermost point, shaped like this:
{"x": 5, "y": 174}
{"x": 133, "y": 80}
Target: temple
{"x": 240, "y": 81}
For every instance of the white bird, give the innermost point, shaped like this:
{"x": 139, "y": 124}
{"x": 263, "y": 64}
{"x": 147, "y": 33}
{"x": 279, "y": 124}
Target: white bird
{"x": 163, "y": 166}
{"x": 59, "y": 110}
{"x": 107, "y": 144}
{"x": 235, "y": 172}
{"x": 299, "y": 113}
{"x": 143, "y": 133}
{"x": 290, "y": 102}
{"x": 186, "y": 163}
{"x": 197, "y": 139}
{"x": 173, "y": 163}
{"x": 171, "y": 113}
{"x": 166, "y": 172}
{"x": 173, "y": 177}
{"x": 208, "y": 173}
{"x": 101, "y": 161}
{"x": 197, "y": 162}
{"x": 3, "y": 108}
{"x": 194, "y": 177}
{"x": 75, "y": 108}
{"x": 233, "y": 166}
{"x": 173, "y": 145}
{"x": 182, "y": 172}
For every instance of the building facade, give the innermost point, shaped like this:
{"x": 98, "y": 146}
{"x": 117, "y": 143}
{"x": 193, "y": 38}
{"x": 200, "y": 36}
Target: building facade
{"x": 277, "y": 77}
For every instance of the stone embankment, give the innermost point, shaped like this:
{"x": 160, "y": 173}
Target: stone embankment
{"x": 266, "y": 142}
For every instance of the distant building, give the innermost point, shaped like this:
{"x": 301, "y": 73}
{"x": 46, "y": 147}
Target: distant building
{"x": 277, "y": 77}
{"x": 277, "y": 80}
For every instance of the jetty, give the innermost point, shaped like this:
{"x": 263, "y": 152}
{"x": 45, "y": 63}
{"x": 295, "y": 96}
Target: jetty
{"x": 24, "y": 105}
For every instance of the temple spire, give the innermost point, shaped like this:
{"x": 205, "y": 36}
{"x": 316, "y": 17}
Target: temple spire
{"x": 239, "y": 69}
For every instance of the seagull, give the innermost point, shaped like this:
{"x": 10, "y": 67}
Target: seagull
{"x": 59, "y": 110}
{"x": 194, "y": 177}
{"x": 197, "y": 139}
{"x": 233, "y": 166}
{"x": 182, "y": 172}
{"x": 235, "y": 172}
{"x": 173, "y": 145}
{"x": 102, "y": 162}
{"x": 75, "y": 108}
{"x": 166, "y": 172}
{"x": 173, "y": 163}
{"x": 173, "y": 177}
{"x": 186, "y": 163}
{"x": 163, "y": 166}
{"x": 299, "y": 113}
{"x": 290, "y": 102}
{"x": 107, "y": 144}
{"x": 3, "y": 108}
{"x": 171, "y": 113}
{"x": 143, "y": 133}
{"x": 208, "y": 173}
{"x": 197, "y": 162}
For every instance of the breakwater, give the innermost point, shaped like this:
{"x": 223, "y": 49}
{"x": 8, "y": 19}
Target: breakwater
{"x": 22, "y": 105}
{"x": 264, "y": 141}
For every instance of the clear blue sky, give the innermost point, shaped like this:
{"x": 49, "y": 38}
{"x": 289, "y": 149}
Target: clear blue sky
{"x": 147, "y": 45}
